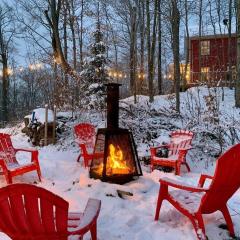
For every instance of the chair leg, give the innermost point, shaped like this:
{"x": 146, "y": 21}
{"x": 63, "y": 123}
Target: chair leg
{"x": 201, "y": 224}
{"x": 8, "y": 178}
{"x": 163, "y": 191}
{"x": 39, "y": 173}
{"x": 198, "y": 225}
{"x": 187, "y": 166}
{"x": 79, "y": 156}
{"x": 85, "y": 162}
{"x": 93, "y": 231}
{"x": 228, "y": 220}
{"x": 151, "y": 167}
{"x": 177, "y": 168}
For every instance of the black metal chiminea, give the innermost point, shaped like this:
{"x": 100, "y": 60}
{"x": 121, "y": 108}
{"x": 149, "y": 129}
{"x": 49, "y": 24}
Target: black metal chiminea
{"x": 120, "y": 162}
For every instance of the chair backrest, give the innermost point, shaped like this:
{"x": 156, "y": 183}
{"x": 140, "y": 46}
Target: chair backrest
{"x": 31, "y": 212}
{"x": 179, "y": 139}
{"x": 7, "y": 151}
{"x": 85, "y": 134}
{"x": 226, "y": 181}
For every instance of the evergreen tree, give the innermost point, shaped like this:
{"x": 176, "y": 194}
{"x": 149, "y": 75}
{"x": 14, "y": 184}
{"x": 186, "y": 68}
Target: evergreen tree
{"x": 94, "y": 74}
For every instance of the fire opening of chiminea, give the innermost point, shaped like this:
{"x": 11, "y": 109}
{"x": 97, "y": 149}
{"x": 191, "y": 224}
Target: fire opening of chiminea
{"x": 120, "y": 163}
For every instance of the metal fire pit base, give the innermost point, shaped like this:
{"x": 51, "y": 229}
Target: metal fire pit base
{"x": 118, "y": 179}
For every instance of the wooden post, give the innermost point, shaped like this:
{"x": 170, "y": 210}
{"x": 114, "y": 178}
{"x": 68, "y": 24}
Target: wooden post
{"x": 46, "y": 126}
{"x": 54, "y": 124}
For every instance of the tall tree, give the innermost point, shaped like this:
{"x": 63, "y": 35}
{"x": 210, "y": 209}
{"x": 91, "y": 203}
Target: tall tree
{"x": 151, "y": 46}
{"x": 175, "y": 26}
{"x": 229, "y": 41}
{"x": 142, "y": 40}
{"x": 186, "y": 8}
{"x": 132, "y": 52}
{"x": 94, "y": 73}
{"x": 237, "y": 93}
{"x": 159, "y": 48}
{"x": 7, "y": 31}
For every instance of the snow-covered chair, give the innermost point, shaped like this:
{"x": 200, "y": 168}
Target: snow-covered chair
{"x": 31, "y": 212}
{"x": 193, "y": 201}
{"x": 85, "y": 137}
{"x": 8, "y": 162}
{"x": 178, "y": 147}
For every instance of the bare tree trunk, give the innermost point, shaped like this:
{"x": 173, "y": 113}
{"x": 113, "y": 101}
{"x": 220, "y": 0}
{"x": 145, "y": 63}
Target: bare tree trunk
{"x": 159, "y": 48}
{"x": 237, "y": 90}
{"x": 187, "y": 46}
{"x": 152, "y": 55}
{"x": 5, "y": 84}
{"x": 151, "y": 45}
{"x": 142, "y": 41}
{"x": 65, "y": 41}
{"x": 53, "y": 21}
{"x": 133, "y": 52}
{"x": 199, "y": 35}
{"x": 148, "y": 43}
{"x": 72, "y": 27}
{"x": 80, "y": 34}
{"x": 175, "y": 22}
{"x": 229, "y": 43}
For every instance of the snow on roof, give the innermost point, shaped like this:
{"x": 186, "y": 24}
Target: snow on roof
{"x": 40, "y": 115}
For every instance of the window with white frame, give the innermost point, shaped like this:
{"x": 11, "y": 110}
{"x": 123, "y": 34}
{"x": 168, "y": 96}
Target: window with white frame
{"x": 205, "y": 47}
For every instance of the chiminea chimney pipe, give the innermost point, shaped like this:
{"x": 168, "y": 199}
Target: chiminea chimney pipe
{"x": 112, "y": 105}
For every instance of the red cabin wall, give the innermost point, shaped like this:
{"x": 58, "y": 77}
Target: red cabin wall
{"x": 217, "y": 60}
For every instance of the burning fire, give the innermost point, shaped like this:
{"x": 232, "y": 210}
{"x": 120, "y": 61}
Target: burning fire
{"x": 115, "y": 161}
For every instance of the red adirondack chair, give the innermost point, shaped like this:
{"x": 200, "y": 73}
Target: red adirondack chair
{"x": 178, "y": 147}
{"x": 85, "y": 137}
{"x": 8, "y": 162}
{"x": 195, "y": 201}
{"x": 29, "y": 212}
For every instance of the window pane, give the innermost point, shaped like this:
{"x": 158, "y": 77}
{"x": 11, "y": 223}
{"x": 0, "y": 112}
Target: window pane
{"x": 205, "y": 47}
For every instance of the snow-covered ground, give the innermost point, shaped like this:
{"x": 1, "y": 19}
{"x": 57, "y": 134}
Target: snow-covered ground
{"x": 131, "y": 218}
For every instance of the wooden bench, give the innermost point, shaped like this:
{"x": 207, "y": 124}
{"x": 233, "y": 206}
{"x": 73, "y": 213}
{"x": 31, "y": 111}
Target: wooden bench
{"x": 177, "y": 149}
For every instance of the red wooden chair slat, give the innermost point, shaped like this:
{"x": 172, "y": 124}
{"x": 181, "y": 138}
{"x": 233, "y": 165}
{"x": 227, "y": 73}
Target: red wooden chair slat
{"x": 47, "y": 216}
{"x": 8, "y": 162}
{"x": 31, "y": 212}
{"x": 178, "y": 147}
{"x": 225, "y": 183}
{"x": 85, "y": 137}
{"x": 17, "y": 206}
{"x": 6, "y": 215}
{"x": 61, "y": 216}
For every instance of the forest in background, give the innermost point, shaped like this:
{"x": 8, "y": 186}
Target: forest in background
{"x": 52, "y": 51}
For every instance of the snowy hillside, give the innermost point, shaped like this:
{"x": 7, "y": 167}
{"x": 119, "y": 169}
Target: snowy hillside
{"x": 132, "y": 217}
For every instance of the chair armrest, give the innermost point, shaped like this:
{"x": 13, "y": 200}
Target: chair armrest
{"x": 202, "y": 179}
{"x": 180, "y": 185}
{"x": 34, "y": 153}
{"x": 89, "y": 217}
{"x": 25, "y": 150}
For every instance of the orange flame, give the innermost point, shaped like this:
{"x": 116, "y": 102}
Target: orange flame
{"x": 115, "y": 161}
